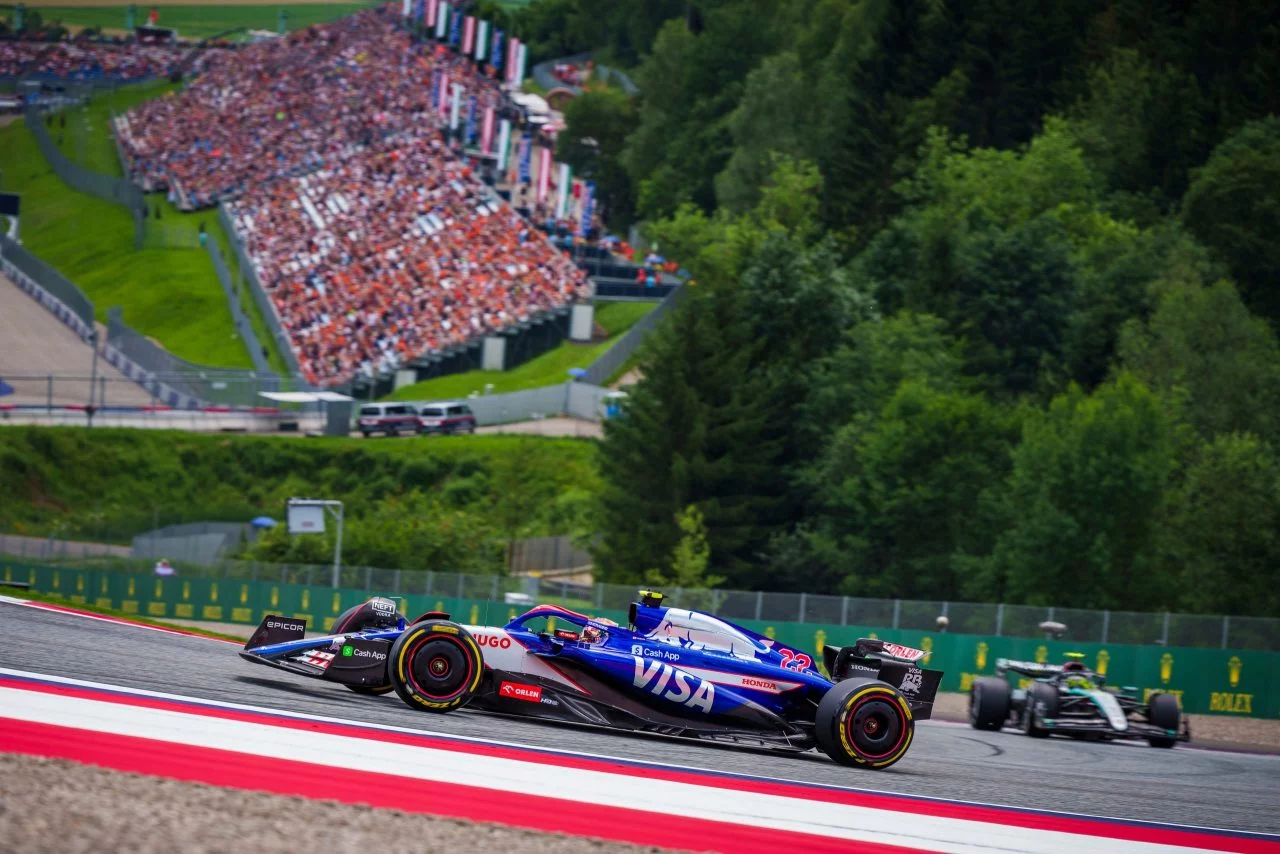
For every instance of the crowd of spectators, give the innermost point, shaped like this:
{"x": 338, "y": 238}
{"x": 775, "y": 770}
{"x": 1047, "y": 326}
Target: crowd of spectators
{"x": 287, "y": 107}
{"x": 376, "y": 242}
{"x": 73, "y": 61}
{"x": 395, "y": 252}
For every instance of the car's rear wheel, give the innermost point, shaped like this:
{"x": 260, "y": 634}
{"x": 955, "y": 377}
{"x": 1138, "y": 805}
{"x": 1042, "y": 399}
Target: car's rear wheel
{"x": 1163, "y": 712}
{"x": 989, "y": 703}
{"x": 864, "y": 723}
{"x": 1042, "y": 702}
{"x": 436, "y": 666}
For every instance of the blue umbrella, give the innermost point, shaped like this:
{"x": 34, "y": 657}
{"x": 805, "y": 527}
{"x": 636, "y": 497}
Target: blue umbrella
{"x": 5, "y": 388}
{"x": 263, "y": 522}
{"x": 577, "y": 373}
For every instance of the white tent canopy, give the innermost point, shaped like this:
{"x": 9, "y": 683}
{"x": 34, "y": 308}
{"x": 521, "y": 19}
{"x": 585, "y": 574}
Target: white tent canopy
{"x": 305, "y": 396}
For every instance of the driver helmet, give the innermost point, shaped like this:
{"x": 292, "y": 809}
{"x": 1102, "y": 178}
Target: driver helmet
{"x": 1073, "y": 667}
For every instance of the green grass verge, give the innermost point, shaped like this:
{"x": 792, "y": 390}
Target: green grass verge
{"x": 107, "y": 484}
{"x": 200, "y": 21}
{"x": 168, "y": 290}
{"x": 548, "y": 369}
{"x": 54, "y": 599}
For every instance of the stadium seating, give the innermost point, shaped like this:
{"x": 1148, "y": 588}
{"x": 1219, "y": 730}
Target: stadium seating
{"x": 375, "y": 242}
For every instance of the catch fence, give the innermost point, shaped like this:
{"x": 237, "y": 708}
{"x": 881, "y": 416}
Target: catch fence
{"x": 244, "y": 327}
{"x": 106, "y": 187}
{"x": 995, "y": 620}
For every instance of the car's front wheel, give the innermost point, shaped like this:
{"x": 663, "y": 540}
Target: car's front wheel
{"x": 864, "y": 723}
{"x": 1041, "y": 702}
{"x": 436, "y": 666}
{"x": 1163, "y": 712}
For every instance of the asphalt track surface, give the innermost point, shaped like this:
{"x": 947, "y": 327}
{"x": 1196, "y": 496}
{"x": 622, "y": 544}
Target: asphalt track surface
{"x": 1232, "y": 791}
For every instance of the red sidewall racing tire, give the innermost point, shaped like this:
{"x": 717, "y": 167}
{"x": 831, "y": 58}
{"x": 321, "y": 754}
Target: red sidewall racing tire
{"x": 436, "y": 666}
{"x": 864, "y": 723}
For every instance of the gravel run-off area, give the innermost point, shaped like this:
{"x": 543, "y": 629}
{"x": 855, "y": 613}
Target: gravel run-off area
{"x": 58, "y": 806}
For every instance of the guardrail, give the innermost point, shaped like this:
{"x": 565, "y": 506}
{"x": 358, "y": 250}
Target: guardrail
{"x": 244, "y": 327}
{"x": 49, "y": 287}
{"x": 1214, "y": 681}
{"x": 616, "y": 356}
{"x": 267, "y": 308}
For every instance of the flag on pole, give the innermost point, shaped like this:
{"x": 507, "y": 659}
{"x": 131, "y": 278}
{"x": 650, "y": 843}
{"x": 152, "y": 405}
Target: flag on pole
{"x": 588, "y": 208}
{"x": 432, "y": 6}
{"x": 442, "y": 98}
{"x": 513, "y": 47}
{"x": 469, "y": 34}
{"x": 435, "y": 89}
{"x": 526, "y": 158}
{"x": 486, "y": 131}
{"x": 456, "y": 111}
{"x": 521, "y": 56}
{"x": 482, "y": 40}
{"x": 470, "y": 136}
{"x": 504, "y": 144}
{"x": 442, "y": 20}
{"x": 455, "y": 27}
{"x": 407, "y": 8}
{"x": 495, "y": 52}
{"x": 544, "y": 174}
{"x": 564, "y": 185}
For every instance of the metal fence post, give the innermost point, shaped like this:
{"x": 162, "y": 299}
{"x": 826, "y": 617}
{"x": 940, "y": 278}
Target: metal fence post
{"x": 599, "y": 595}
{"x": 803, "y": 596}
{"x": 1106, "y": 625}
{"x": 1164, "y": 631}
{"x": 431, "y": 580}
{"x": 368, "y": 578}
{"x": 459, "y": 585}
{"x": 1226, "y": 629}
{"x": 493, "y": 590}
{"x": 759, "y": 603}
{"x": 398, "y": 571}
{"x": 844, "y": 610}
{"x": 999, "y": 619}
{"x": 897, "y": 612}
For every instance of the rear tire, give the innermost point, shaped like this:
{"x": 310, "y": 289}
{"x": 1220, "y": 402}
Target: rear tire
{"x": 864, "y": 723}
{"x": 435, "y": 666}
{"x": 1039, "y": 694}
{"x": 989, "y": 703}
{"x": 1163, "y": 712}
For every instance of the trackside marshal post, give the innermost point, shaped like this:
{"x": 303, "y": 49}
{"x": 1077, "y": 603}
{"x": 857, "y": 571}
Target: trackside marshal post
{"x": 306, "y": 516}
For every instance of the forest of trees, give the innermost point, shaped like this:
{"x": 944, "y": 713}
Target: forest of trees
{"x": 986, "y": 294}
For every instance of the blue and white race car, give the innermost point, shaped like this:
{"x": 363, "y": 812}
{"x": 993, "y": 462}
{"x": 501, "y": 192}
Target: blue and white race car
{"x": 670, "y": 671}
{"x": 1069, "y": 699}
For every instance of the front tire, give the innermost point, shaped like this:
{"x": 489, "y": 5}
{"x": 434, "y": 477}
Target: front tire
{"x": 1045, "y": 696}
{"x": 436, "y": 666}
{"x": 864, "y": 723}
{"x": 989, "y": 703}
{"x": 1163, "y": 712}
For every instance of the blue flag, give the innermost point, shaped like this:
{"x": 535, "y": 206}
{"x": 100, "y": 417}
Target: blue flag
{"x": 455, "y": 28}
{"x": 495, "y": 51}
{"x": 471, "y": 119}
{"x": 588, "y": 208}
{"x": 526, "y": 158}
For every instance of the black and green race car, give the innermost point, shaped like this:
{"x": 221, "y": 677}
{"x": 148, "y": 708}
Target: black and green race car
{"x": 1069, "y": 699}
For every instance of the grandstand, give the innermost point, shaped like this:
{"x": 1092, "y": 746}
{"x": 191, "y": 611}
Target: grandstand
{"x": 378, "y": 243}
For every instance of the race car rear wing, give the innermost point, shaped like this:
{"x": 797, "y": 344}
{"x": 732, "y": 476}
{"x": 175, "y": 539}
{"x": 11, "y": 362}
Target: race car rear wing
{"x": 890, "y": 663}
{"x": 1030, "y": 669}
